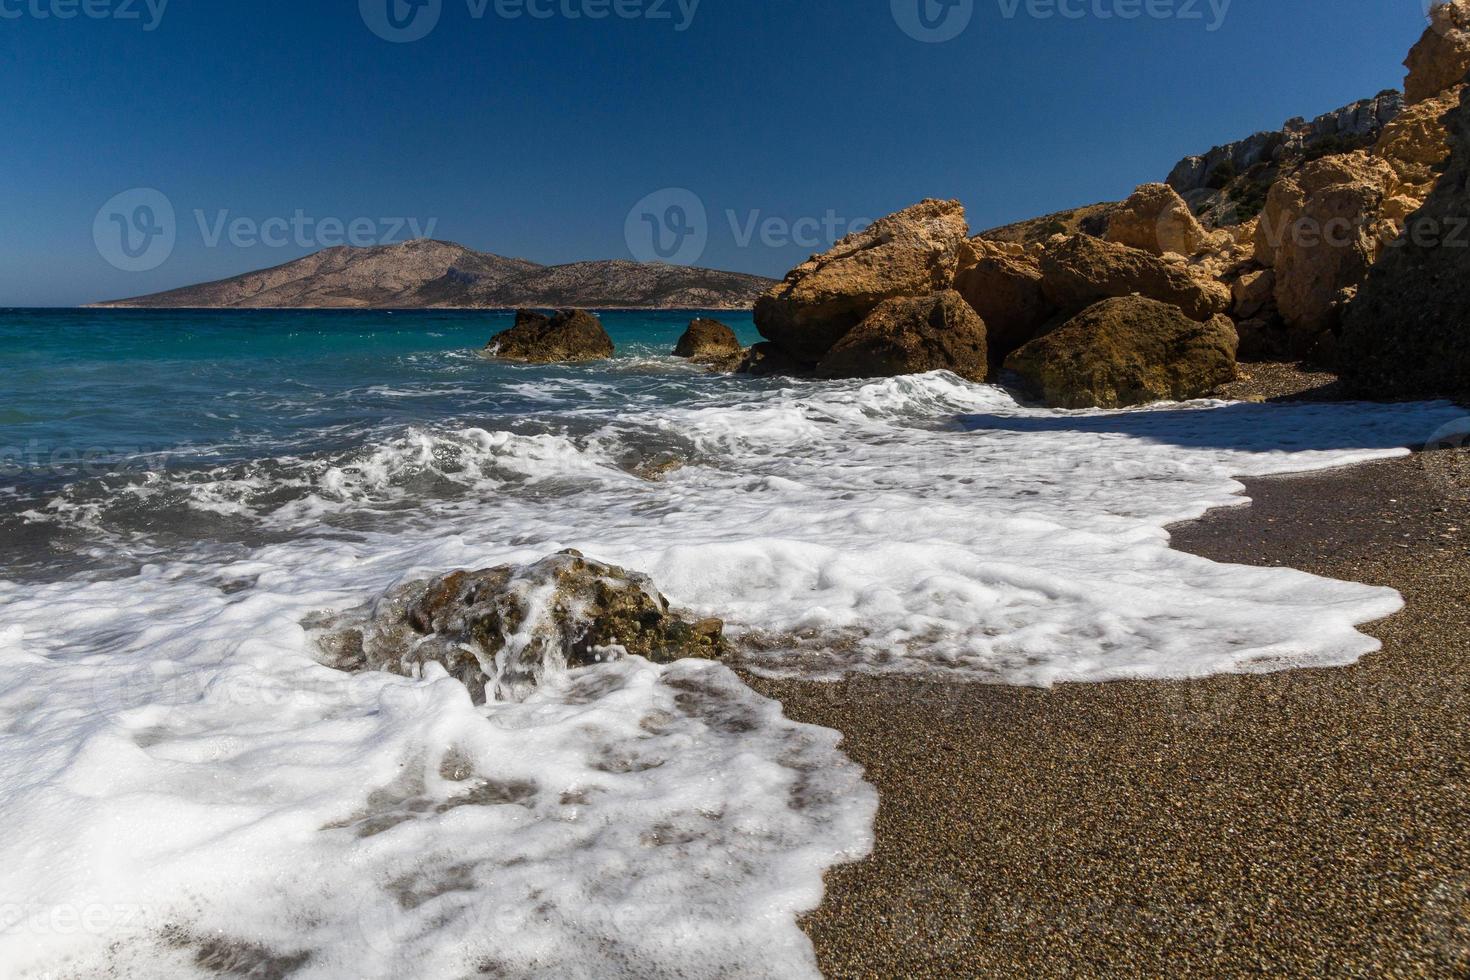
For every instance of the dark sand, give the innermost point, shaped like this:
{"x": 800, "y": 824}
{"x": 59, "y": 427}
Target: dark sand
{"x": 1310, "y": 822}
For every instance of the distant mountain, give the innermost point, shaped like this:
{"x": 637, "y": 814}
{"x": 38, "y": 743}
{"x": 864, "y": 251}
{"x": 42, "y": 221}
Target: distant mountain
{"x": 430, "y": 274}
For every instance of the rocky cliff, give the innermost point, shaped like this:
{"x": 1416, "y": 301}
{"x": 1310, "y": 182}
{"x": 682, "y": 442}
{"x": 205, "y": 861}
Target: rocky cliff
{"x": 428, "y": 274}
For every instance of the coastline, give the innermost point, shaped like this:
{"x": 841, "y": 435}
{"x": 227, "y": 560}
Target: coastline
{"x": 1305, "y": 821}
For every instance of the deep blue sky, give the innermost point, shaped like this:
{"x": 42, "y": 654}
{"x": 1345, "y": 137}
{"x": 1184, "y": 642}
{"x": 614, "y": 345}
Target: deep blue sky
{"x": 534, "y": 137}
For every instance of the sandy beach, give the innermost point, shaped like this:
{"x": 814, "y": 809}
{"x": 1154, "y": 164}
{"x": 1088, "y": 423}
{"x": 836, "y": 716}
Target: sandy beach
{"x": 1308, "y": 822}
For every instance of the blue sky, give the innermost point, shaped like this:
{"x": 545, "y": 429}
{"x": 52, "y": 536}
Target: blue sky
{"x": 534, "y": 136}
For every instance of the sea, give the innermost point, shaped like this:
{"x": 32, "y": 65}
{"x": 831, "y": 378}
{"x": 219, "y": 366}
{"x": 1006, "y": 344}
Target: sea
{"x": 188, "y": 791}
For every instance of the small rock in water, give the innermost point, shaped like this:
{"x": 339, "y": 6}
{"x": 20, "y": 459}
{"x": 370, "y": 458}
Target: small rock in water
{"x": 502, "y": 631}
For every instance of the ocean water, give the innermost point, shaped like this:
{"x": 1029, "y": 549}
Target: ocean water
{"x": 188, "y": 791}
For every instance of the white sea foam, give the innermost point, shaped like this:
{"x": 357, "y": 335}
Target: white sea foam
{"x": 175, "y": 763}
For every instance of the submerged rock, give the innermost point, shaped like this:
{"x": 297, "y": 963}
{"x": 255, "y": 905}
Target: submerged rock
{"x": 570, "y": 335}
{"x": 912, "y": 336}
{"x": 709, "y": 342}
{"x": 1128, "y": 351}
{"x": 502, "y": 630}
{"x": 911, "y": 253}
{"x": 768, "y": 360}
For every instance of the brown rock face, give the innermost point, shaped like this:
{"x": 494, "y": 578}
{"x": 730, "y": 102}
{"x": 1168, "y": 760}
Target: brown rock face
{"x": 911, "y": 253}
{"x": 1408, "y": 333}
{"x": 912, "y": 336}
{"x": 1321, "y": 231}
{"x": 1002, "y": 283}
{"x": 1128, "y": 351}
{"x": 1442, "y": 57}
{"x": 768, "y": 360}
{"x": 503, "y": 630}
{"x": 1416, "y": 144}
{"x": 708, "y": 341}
{"x": 571, "y": 335}
{"x": 1157, "y": 220}
{"x": 1082, "y": 270}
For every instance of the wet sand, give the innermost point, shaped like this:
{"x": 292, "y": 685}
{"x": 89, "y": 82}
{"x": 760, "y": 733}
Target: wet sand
{"x": 1306, "y": 822}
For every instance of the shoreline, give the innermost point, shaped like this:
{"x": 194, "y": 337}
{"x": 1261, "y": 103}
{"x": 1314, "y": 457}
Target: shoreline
{"x": 1302, "y": 821}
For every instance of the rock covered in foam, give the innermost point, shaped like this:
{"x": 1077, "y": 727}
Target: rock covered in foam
{"x": 503, "y": 630}
{"x": 569, "y": 335}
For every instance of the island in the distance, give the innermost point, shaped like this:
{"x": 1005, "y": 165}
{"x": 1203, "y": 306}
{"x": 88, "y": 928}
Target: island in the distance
{"x": 427, "y": 274}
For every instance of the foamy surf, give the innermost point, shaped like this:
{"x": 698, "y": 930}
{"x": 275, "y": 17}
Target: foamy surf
{"x": 228, "y": 800}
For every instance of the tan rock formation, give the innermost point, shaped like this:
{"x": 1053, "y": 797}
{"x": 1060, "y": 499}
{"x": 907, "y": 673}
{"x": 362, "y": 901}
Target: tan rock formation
{"x": 911, "y": 253}
{"x": 1128, "y": 351}
{"x": 571, "y": 335}
{"x": 1079, "y": 271}
{"x": 1408, "y": 333}
{"x": 1002, "y": 283}
{"x": 1322, "y": 229}
{"x": 1157, "y": 220}
{"x": 1442, "y": 57}
{"x": 912, "y": 336}
{"x": 1416, "y": 145}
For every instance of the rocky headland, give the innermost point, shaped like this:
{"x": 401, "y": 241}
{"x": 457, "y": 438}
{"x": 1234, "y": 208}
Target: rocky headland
{"x": 1343, "y": 242}
{"x": 426, "y": 274}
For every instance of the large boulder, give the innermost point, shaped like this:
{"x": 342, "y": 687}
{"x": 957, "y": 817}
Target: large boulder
{"x": 570, "y": 335}
{"x": 767, "y": 360}
{"x": 709, "y": 342}
{"x": 1322, "y": 229}
{"x": 1408, "y": 333}
{"x": 1002, "y": 283}
{"x": 503, "y": 630}
{"x": 1442, "y": 57}
{"x": 1157, "y": 220}
{"x": 1128, "y": 351}
{"x": 912, "y": 336}
{"x": 911, "y": 253}
{"x": 1082, "y": 270}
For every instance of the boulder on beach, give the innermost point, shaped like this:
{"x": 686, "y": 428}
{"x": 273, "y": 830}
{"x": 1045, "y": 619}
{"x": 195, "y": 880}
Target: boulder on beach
{"x": 1322, "y": 229}
{"x": 912, "y": 336}
{"x": 911, "y": 253}
{"x": 708, "y": 341}
{"x": 1157, "y": 220}
{"x": 502, "y": 631}
{"x": 1408, "y": 333}
{"x": 1081, "y": 270}
{"x": 1128, "y": 351}
{"x": 569, "y": 335}
{"x": 1002, "y": 283}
